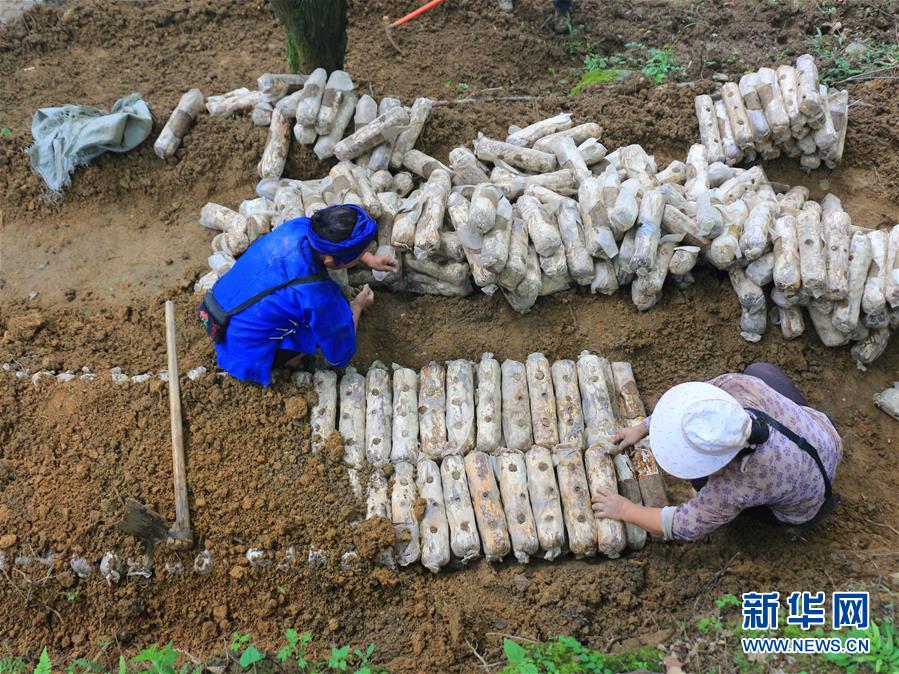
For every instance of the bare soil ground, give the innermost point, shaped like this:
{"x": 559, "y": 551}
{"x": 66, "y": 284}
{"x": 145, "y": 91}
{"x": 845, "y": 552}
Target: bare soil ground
{"x": 125, "y": 237}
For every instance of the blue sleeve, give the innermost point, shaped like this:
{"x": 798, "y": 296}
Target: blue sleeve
{"x": 332, "y": 325}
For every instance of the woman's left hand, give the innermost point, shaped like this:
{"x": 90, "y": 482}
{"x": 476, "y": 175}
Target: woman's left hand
{"x": 609, "y": 505}
{"x": 383, "y": 262}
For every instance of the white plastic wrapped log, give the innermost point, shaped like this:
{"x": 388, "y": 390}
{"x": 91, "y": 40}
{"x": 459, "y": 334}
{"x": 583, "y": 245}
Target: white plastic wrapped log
{"x": 464, "y": 540}
{"x": 312, "y": 200}
{"x": 754, "y": 238}
{"x": 184, "y": 114}
{"x": 549, "y": 285}
{"x": 406, "y": 140}
{"x": 773, "y": 104}
{"x": 324, "y": 411}
{"x": 261, "y": 210}
{"x": 822, "y": 319}
{"x": 787, "y": 276}
{"x": 275, "y": 154}
{"x": 568, "y": 156}
{"x": 568, "y": 403}
{"x": 646, "y": 290}
{"x": 575, "y": 496}
{"x": 807, "y": 78}
{"x": 888, "y": 401}
{"x": 761, "y": 271}
{"x": 789, "y": 89}
{"x": 630, "y": 489}
{"x": 423, "y": 165}
{"x": 383, "y": 129}
{"x": 788, "y": 318}
{"x": 697, "y": 171}
{"x": 352, "y": 417}
{"x": 523, "y": 297}
{"x": 675, "y": 173}
{"x": 311, "y": 97}
{"x": 515, "y": 269}
{"x": 403, "y": 235}
{"x": 732, "y": 190}
{"x": 579, "y": 134}
{"x": 262, "y": 114}
{"x": 513, "y": 485}
{"x": 683, "y": 259}
{"x": 605, "y": 279}
{"x": 432, "y": 409}
{"x": 435, "y": 531}
{"x": 460, "y": 407}
{"x": 467, "y": 170}
{"x": 423, "y": 284}
{"x": 482, "y": 212}
{"x": 545, "y": 501}
{"x": 513, "y": 185}
{"x": 629, "y": 402}
{"x": 708, "y": 127}
{"x": 488, "y": 507}
{"x": 753, "y": 318}
{"x": 402, "y": 183}
{"x": 496, "y": 243}
{"x": 825, "y": 137}
{"x": 435, "y": 192}
{"x": 324, "y": 146}
{"x": 624, "y": 213}
{"x": 489, "y": 430}
{"x": 402, "y": 506}
{"x": 404, "y": 445}
{"x": 516, "y": 407}
{"x": 222, "y": 219}
{"x": 543, "y": 232}
{"x": 732, "y": 152}
{"x": 870, "y": 348}
{"x": 835, "y": 226}
{"x": 542, "y": 401}
{"x": 708, "y": 216}
{"x": 748, "y": 90}
{"x": 339, "y": 84}
{"x": 649, "y": 231}
{"x": 891, "y": 281}
{"x": 378, "y": 505}
{"x": 597, "y": 402}
{"x": 812, "y": 258}
{"x": 592, "y": 151}
{"x": 378, "y": 415}
{"x": 736, "y": 114}
{"x": 579, "y": 261}
{"x": 487, "y": 149}
{"x": 236, "y": 101}
{"x": 530, "y": 134}
{"x": 555, "y": 268}
{"x": 611, "y": 538}
{"x": 380, "y": 155}
{"x": 622, "y": 262}
{"x": 455, "y": 273}
{"x": 846, "y": 311}
{"x": 874, "y": 304}
{"x": 838, "y": 106}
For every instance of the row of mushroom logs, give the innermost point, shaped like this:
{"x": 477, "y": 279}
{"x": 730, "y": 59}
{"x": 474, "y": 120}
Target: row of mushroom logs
{"x": 505, "y": 456}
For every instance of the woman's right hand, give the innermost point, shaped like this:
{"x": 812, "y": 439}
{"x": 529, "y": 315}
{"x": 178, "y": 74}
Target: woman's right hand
{"x": 630, "y": 436}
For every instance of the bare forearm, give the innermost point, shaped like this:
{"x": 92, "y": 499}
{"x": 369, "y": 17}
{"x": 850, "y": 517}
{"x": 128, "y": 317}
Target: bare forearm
{"x": 357, "y": 315}
{"x": 644, "y": 517}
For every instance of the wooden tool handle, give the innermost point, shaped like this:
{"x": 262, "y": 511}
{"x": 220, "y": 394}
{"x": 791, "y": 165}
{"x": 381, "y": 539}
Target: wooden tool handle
{"x": 181, "y": 532}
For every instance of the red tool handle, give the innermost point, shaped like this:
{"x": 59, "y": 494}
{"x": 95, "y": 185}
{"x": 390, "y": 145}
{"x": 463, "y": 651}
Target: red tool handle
{"x": 418, "y": 12}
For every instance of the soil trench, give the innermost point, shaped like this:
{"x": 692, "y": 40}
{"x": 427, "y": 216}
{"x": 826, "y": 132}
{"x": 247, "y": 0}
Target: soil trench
{"x": 125, "y": 237}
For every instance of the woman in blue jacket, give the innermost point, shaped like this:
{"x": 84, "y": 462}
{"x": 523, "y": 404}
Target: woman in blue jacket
{"x": 306, "y": 310}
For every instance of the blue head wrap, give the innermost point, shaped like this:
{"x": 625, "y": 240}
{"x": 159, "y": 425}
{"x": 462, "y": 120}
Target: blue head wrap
{"x": 354, "y": 245}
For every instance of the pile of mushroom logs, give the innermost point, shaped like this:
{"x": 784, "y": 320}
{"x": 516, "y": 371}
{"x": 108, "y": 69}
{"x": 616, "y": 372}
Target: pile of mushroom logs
{"x": 772, "y": 111}
{"x": 548, "y": 208}
{"x": 505, "y": 457}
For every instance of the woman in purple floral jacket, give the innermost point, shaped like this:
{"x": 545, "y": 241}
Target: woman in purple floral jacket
{"x": 739, "y": 439}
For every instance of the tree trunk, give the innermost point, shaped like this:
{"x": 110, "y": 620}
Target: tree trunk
{"x": 316, "y": 33}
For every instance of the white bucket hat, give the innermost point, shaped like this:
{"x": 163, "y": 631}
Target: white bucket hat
{"x": 696, "y": 429}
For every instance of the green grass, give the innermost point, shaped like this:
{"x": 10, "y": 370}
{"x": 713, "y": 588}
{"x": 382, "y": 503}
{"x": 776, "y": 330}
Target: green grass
{"x": 566, "y": 655}
{"x": 292, "y": 657}
{"x": 834, "y": 66}
{"x": 657, "y": 64}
